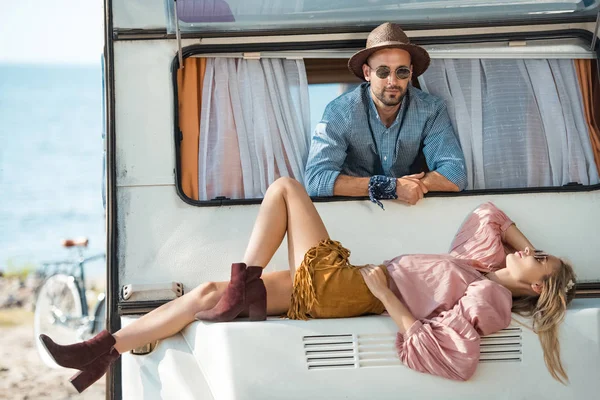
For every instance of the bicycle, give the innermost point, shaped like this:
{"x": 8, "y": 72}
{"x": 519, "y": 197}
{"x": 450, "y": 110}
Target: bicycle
{"x": 61, "y": 306}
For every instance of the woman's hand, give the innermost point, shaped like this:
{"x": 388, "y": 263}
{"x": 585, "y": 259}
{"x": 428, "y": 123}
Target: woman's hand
{"x": 376, "y": 280}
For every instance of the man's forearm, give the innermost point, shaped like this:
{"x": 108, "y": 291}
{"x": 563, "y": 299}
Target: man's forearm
{"x": 351, "y": 186}
{"x": 436, "y": 182}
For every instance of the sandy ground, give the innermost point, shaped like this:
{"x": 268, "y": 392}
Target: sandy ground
{"x": 24, "y": 376}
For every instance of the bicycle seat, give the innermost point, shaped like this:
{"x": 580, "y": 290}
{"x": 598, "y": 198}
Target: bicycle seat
{"x": 80, "y": 242}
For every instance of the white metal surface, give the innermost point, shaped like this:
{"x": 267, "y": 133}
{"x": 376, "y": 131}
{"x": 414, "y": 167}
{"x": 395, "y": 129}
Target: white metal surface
{"x": 144, "y": 113}
{"x": 170, "y": 372}
{"x": 545, "y": 49}
{"x": 268, "y": 360}
{"x": 191, "y": 244}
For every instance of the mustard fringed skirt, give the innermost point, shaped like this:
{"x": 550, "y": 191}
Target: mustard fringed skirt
{"x": 327, "y": 286}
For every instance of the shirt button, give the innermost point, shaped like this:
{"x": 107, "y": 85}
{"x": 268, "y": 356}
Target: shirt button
{"x": 384, "y": 158}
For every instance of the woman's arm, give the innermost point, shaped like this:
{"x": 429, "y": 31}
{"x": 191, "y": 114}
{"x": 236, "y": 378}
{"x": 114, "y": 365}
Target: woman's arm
{"x": 516, "y": 239}
{"x": 484, "y": 233}
{"x": 376, "y": 281}
{"x": 448, "y": 344}
{"x": 398, "y": 311}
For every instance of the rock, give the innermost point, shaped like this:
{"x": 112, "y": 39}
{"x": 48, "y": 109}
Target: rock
{"x": 14, "y": 294}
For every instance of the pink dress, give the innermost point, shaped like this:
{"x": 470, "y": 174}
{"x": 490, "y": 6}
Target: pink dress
{"x": 452, "y": 302}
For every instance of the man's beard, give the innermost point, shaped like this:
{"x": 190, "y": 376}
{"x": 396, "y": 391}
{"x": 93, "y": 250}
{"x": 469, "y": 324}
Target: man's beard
{"x": 391, "y": 101}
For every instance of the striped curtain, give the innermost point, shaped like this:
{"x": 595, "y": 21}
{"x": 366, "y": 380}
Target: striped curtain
{"x": 521, "y": 123}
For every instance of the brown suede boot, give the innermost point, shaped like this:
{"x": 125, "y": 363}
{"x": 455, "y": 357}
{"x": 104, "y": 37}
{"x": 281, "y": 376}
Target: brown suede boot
{"x": 232, "y": 303}
{"x": 256, "y": 294}
{"x": 94, "y": 371}
{"x": 79, "y": 355}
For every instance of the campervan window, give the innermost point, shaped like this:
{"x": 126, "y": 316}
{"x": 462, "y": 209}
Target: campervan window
{"x": 246, "y": 119}
{"x": 279, "y": 15}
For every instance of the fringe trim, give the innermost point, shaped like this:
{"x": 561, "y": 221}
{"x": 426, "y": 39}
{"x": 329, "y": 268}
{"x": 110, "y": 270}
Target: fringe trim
{"x": 303, "y": 293}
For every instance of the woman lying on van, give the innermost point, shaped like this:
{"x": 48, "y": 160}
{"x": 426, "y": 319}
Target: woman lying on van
{"x": 442, "y": 304}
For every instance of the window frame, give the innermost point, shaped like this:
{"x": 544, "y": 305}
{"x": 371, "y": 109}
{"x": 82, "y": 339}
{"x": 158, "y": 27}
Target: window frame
{"x": 195, "y": 50}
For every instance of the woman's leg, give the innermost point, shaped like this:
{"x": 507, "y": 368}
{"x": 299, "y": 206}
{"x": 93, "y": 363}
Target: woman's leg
{"x": 172, "y": 317}
{"x": 286, "y": 208}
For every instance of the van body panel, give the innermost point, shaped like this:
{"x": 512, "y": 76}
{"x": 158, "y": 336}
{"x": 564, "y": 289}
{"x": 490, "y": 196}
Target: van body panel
{"x": 144, "y": 113}
{"x": 169, "y": 372}
{"x": 162, "y": 238}
{"x": 284, "y": 359}
{"x": 189, "y": 244}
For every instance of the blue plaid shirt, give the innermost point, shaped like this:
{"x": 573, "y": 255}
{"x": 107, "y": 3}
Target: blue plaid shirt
{"x": 352, "y": 140}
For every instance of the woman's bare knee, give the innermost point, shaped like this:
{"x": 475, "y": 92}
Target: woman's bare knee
{"x": 207, "y": 288}
{"x": 287, "y": 185}
{"x": 205, "y": 296}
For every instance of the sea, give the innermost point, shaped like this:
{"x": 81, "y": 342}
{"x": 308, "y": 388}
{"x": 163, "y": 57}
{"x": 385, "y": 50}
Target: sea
{"x": 51, "y": 164}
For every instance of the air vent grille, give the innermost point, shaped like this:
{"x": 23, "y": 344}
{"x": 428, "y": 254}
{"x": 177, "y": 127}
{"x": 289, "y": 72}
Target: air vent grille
{"x": 330, "y": 351}
{"x": 379, "y": 350}
{"x": 502, "y": 346}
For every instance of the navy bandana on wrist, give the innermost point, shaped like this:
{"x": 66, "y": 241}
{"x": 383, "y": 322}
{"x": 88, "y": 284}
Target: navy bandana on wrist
{"x": 382, "y": 187}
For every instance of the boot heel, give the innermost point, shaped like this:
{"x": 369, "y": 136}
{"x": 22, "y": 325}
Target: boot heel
{"x": 83, "y": 379}
{"x": 257, "y": 310}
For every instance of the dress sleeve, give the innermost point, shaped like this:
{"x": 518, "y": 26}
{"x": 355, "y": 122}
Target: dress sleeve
{"x": 448, "y": 345}
{"x": 480, "y": 237}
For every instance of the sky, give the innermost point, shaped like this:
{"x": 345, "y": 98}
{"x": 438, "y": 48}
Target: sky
{"x": 51, "y": 31}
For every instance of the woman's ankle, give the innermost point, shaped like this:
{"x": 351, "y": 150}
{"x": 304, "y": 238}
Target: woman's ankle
{"x": 120, "y": 344}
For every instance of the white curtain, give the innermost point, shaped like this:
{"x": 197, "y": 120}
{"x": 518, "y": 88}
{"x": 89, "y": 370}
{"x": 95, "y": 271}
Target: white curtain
{"x": 520, "y": 122}
{"x": 254, "y": 126}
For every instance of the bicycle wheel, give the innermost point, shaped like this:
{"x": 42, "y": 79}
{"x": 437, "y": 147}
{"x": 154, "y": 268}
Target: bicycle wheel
{"x": 58, "y": 313}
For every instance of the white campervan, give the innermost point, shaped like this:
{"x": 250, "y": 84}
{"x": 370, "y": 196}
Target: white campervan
{"x": 209, "y": 101}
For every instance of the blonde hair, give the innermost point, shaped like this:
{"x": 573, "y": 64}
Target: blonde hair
{"x": 548, "y": 311}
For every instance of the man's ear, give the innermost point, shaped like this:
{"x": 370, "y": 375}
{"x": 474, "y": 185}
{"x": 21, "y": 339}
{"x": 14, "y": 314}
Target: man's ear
{"x": 537, "y": 287}
{"x": 365, "y": 69}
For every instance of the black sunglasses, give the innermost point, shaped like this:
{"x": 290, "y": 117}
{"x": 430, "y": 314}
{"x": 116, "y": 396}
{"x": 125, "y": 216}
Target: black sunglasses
{"x": 383, "y": 72}
{"x": 540, "y": 255}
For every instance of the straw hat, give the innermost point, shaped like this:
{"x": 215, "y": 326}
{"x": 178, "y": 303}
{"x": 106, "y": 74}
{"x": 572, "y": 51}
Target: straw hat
{"x": 387, "y": 36}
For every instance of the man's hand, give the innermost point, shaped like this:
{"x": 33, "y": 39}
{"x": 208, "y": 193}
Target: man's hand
{"x": 376, "y": 280}
{"x": 410, "y": 188}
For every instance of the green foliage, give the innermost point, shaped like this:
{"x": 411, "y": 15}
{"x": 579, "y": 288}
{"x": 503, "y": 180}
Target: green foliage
{"x": 18, "y": 270}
